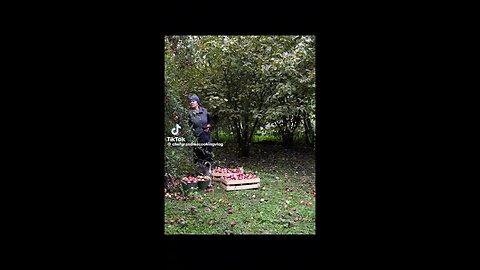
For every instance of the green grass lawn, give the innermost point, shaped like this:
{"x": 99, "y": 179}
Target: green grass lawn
{"x": 284, "y": 203}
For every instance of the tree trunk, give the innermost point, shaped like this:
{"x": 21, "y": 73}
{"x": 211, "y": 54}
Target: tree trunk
{"x": 245, "y": 150}
{"x": 244, "y": 141}
{"x": 308, "y": 129}
{"x": 288, "y": 139}
{"x": 310, "y": 132}
{"x": 238, "y": 134}
{"x": 289, "y": 125}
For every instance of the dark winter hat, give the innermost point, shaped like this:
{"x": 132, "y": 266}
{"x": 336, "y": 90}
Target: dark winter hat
{"x": 196, "y": 98}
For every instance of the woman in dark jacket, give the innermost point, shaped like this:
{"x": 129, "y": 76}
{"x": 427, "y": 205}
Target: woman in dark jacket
{"x": 202, "y": 125}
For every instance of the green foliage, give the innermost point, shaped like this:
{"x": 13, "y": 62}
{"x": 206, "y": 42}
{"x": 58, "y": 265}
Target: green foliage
{"x": 265, "y": 138}
{"x": 178, "y": 160}
{"x": 225, "y": 137}
{"x": 246, "y": 81}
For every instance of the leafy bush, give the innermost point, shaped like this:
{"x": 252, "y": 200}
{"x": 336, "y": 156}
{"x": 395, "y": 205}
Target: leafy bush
{"x": 178, "y": 160}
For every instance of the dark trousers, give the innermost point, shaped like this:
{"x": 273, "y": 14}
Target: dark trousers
{"x": 203, "y": 153}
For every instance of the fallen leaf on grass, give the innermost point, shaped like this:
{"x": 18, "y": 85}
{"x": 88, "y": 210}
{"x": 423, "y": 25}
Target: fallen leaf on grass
{"x": 294, "y": 209}
{"x": 180, "y": 220}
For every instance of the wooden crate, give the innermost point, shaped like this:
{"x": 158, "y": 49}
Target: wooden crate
{"x": 239, "y": 184}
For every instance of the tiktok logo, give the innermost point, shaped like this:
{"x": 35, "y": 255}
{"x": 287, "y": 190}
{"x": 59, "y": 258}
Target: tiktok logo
{"x": 176, "y": 130}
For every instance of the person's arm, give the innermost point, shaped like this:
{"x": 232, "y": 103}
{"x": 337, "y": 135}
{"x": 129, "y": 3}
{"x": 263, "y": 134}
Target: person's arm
{"x": 209, "y": 121}
{"x": 207, "y": 127}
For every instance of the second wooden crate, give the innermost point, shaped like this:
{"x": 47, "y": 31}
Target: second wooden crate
{"x": 239, "y": 184}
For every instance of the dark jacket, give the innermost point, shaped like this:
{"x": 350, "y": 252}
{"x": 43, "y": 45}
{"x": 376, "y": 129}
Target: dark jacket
{"x": 200, "y": 121}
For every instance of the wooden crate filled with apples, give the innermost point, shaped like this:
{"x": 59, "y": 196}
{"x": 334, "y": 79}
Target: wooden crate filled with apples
{"x": 220, "y": 172}
{"x": 237, "y": 180}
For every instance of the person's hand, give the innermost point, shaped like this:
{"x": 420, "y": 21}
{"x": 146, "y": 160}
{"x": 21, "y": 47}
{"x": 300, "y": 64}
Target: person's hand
{"x": 207, "y": 129}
